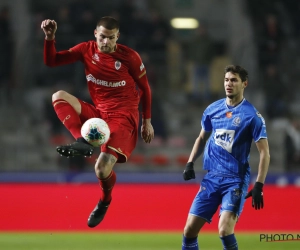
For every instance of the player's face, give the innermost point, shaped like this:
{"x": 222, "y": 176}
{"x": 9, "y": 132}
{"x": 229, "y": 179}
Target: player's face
{"x": 106, "y": 39}
{"x": 234, "y": 87}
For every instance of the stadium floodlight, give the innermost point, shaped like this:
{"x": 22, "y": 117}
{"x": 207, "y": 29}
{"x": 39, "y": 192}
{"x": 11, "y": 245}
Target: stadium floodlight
{"x": 184, "y": 23}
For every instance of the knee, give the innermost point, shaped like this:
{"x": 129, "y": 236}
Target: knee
{"x": 189, "y": 231}
{"x": 223, "y": 231}
{"x": 102, "y": 170}
{"x": 99, "y": 172}
{"x": 227, "y": 223}
{"x": 61, "y": 94}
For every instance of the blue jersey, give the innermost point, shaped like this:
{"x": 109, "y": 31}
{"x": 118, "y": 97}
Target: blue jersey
{"x": 233, "y": 129}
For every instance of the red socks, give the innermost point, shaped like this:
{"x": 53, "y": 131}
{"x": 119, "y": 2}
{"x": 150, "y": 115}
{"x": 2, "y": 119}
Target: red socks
{"x": 107, "y": 185}
{"x": 68, "y": 116}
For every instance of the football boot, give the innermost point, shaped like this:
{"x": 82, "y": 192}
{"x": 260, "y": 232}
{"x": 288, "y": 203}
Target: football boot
{"x": 75, "y": 149}
{"x": 98, "y": 214}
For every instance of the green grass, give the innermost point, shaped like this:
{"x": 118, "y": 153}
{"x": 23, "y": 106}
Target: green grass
{"x": 128, "y": 241}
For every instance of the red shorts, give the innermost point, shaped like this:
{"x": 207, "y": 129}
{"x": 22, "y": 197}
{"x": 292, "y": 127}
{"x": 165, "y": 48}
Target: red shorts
{"x": 123, "y": 129}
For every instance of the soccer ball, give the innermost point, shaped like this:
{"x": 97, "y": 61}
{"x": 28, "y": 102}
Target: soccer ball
{"x": 95, "y": 131}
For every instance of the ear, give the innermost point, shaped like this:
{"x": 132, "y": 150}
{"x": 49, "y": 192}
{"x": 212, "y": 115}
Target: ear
{"x": 245, "y": 83}
{"x": 95, "y": 32}
{"x": 118, "y": 35}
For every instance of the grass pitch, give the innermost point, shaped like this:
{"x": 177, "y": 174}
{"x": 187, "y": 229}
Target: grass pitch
{"x": 128, "y": 241}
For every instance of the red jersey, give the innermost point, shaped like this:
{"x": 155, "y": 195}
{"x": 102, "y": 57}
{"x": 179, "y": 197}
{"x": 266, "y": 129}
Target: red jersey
{"x": 112, "y": 78}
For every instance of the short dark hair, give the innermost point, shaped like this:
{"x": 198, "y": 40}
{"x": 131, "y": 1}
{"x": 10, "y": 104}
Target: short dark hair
{"x": 236, "y": 69}
{"x": 108, "y": 22}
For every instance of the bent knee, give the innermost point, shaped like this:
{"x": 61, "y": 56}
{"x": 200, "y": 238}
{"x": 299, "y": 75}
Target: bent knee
{"x": 104, "y": 165}
{"x": 102, "y": 173}
{"x": 102, "y": 170}
{"x": 61, "y": 94}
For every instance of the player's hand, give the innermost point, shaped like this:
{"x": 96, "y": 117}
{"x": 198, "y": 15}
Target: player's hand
{"x": 49, "y": 27}
{"x": 257, "y": 195}
{"x": 189, "y": 172}
{"x": 147, "y": 131}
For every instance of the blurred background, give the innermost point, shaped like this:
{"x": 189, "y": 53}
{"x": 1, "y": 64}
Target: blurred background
{"x": 185, "y": 70}
{"x": 43, "y": 192}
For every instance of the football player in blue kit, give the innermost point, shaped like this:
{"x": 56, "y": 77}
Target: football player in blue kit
{"x": 228, "y": 127}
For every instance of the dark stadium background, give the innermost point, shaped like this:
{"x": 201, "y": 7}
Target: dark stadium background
{"x": 39, "y": 190}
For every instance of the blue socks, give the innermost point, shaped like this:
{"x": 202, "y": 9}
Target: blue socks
{"x": 190, "y": 243}
{"x": 229, "y": 242}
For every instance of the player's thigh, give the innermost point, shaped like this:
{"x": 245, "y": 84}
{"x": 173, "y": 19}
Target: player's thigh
{"x": 233, "y": 195}
{"x": 193, "y": 226}
{"x": 87, "y": 111}
{"x": 72, "y": 100}
{"x": 207, "y": 200}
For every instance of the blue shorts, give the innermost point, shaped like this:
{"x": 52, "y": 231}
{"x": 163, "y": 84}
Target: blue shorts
{"x": 215, "y": 190}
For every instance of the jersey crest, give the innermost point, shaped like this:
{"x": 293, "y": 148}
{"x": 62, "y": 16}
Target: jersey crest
{"x": 117, "y": 65}
{"x": 236, "y": 121}
{"x": 95, "y": 57}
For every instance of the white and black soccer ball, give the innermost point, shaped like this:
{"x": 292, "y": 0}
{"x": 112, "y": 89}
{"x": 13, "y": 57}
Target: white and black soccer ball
{"x": 95, "y": 131}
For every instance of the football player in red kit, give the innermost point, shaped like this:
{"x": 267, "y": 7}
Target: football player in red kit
{"x": 115, "y": 77}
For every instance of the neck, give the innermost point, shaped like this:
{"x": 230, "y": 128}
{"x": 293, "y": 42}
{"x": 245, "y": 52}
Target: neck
{"x": 234, "y": 101}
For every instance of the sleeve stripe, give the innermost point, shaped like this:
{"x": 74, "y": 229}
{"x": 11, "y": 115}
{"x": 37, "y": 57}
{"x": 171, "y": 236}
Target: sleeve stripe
{"x": 142, "y": 74}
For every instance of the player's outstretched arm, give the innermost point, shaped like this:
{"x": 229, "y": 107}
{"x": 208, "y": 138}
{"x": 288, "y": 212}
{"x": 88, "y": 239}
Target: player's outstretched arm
{"x": 264, "y": 159}
{"x": 197, "y": 150}
{"x": 49, "y": 27}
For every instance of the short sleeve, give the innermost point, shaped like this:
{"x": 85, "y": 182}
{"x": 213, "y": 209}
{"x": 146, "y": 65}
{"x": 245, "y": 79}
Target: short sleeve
{"x": 206, "y": 122}
{"x": 258, "y": 127}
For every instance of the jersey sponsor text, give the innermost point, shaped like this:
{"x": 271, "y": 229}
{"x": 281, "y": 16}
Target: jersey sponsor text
{"x": 91, "y": 78}
{"x": 224, "y": 138}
